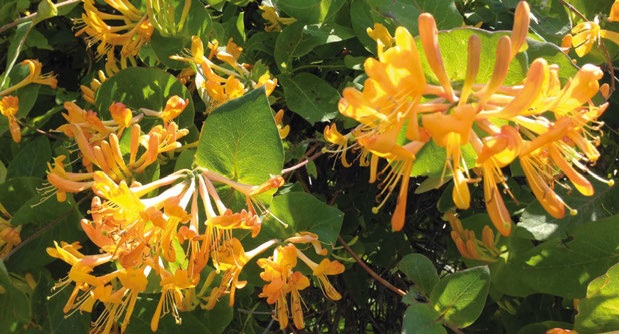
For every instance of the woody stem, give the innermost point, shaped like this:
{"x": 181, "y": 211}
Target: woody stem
{"x": 369, "y": 270}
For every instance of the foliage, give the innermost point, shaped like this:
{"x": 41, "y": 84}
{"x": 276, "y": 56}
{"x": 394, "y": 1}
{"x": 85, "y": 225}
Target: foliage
{"x": 325, "y": 166}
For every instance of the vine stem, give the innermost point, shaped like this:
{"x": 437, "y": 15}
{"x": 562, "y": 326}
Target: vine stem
{"x": 369, "y": 270}
{"x": 302, "y": 163}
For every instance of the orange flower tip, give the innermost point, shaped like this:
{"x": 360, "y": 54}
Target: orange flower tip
{"x": 605, "y": 91}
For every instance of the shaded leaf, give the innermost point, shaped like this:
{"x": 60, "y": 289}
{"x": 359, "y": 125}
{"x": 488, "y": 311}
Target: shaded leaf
{"x": 420, "y": 270}
{"x": 311, "y": 97}
{"x": 460, "y": 297}
{"x": 422, "y": 319}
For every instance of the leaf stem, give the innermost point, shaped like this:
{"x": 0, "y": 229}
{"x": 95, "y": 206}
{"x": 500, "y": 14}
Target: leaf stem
{"x": 302, "y": 163}
{"x": 369, "y": 270}
{"x": 33, "y": 15}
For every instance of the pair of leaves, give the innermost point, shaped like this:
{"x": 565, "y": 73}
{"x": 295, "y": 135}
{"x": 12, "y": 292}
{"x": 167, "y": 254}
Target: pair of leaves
{"x": 456, "y": 300}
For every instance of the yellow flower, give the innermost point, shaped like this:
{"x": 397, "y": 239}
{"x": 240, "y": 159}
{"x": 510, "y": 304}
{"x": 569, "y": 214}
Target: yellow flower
{"x": 34, "y": 76}
{"x": 273, "y": 18}
{"x": 584, "y": 36}
{"x": 614, "y": 12}
{"x": 9, "y": 105}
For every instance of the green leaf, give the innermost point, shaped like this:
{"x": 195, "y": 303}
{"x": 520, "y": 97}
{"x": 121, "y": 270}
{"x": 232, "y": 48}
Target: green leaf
{"x": 422, "y": 319}
{"x": 460, "y": 297}
{"x": 420, "y": 270}
{"x": 536, "y": 224}
{"x": 17, "y": 191}
{"x": 31, "y": 159}
{"x": 309, "y": 11}
{"x": 303, "y": 212}
{"x": 551, "y": 20}
{"x": 16, "y": 303}
{"x": 565, "y": 267}
{"x": 199, "y": 23}
{"x": 310, "y": 96}
{"x": 364, "y": 13}
{"x": 139, "y": 87}
{"x": 239, "y": 140}
{"x": 598, "y": 312}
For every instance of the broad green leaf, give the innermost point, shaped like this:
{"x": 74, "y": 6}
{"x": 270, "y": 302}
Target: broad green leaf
{"x": 16, "y": 303}
{"x": 239, "y": 140}
{"x": 140, "y": 87}
{"x": 364, "y": 13}
{"x": 420, "y": 270}
{"x": 310, "y": 96}
{"x": 598, "y": 312}
{"x": 17, "y": 191}
{"x": 299, "y": 39}
{"x": 536, "y": 224}
{"x": 565, "y": 267}
{"x": 460, "y": 297}
{"x": 31, "y": 159}
{"x": 302, "y": 212}
{"x": 309, "y": 11}
{"x": 198, "y": 23}
{"x": 551, "y": 20}
{"x": 422, "y": 319}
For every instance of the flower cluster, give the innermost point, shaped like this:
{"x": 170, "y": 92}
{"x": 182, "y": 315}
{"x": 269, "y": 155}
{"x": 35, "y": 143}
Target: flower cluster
{"x": 173, "y": 235}
{"x": 132, "y": 29}
{"x": 228, "y": 78}
{"x": 99, "y": 145}
{"x": 9, "y": 104}
{"x": 546, "y": 126}
{"x": 585, "y": 35}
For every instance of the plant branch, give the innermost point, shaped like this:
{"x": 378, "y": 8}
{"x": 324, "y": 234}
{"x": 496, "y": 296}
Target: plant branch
{"x": 33, "y": 15}
{"x": 369, "y": 270}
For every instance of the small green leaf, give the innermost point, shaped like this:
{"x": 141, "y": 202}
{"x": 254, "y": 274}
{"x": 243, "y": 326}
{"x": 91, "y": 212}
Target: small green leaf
{"x": 45, "y": 10}
{"x": 420, "y": 270}
{"x": 598, "y": 312}
{"x": 422, "y": 319}
{"x": 16, "y": 302}
{"x": 239, "y": 140}
{"x": 311, "y": 97}
{"x": 31, "y": 159}
{"x": 460, "y": 297}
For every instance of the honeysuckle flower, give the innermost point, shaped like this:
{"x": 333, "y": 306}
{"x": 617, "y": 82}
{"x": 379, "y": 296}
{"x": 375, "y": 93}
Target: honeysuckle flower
{"x": 547, "y": 125}
{"x": 66, "y": 182}
{"x": 273, "y": 19}
{"x": 10, "y": 236}
{"x": 381, "y": 35}
{"x": 9, "y": 105}
{"x": 278, "y": 271}
{"x": 34, "y": 77}
{"x": 614, "y": 12}
{"x": 217, "y": 83}
{"x": 132, "y": 31}
{"x": 175, "y": 105}
{"x": 326, "y": 267}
